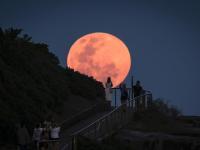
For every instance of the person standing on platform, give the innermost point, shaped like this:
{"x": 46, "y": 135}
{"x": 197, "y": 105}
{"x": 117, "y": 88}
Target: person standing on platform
{"x": 124, "y": 93}
{"x": 138, "y": 91}
{"x": 108, "y": 90}
{"x": 124, "y": 96}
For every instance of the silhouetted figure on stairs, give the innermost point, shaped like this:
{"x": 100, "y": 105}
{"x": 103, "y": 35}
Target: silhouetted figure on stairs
{"x": 138, "y": 91}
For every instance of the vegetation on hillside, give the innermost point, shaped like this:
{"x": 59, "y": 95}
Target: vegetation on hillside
{"x": 33, "y": 84}
{"x": 159, "y": 117}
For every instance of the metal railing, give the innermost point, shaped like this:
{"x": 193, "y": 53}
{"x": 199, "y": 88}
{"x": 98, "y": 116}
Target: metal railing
{"x": 113, "y": 121}
{"x": 116, "y": 93}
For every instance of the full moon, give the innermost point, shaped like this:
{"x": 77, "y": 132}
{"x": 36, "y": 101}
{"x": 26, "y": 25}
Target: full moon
{"x": 100, "y": 55}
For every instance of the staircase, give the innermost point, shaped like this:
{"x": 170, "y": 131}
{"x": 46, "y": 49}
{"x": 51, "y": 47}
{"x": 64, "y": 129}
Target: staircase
{"x": 108, "y": 123}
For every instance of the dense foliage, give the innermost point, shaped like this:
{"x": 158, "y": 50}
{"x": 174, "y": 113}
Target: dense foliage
{"x": 33, "y": 84}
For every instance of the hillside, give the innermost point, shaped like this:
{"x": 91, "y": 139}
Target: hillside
{"x": 160, "y": 127}
{"x": 33, "y": 86}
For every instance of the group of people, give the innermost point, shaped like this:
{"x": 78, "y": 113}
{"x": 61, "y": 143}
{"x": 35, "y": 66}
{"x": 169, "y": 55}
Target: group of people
{"x": 137, "y": 90}
{"x": 43, "y": 135}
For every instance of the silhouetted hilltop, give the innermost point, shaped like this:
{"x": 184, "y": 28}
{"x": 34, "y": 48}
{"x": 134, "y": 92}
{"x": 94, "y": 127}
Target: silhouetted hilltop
{"x": 33, "y": 84}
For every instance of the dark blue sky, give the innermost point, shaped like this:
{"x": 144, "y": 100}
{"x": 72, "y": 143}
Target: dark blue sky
{"x": 163, "y": 36}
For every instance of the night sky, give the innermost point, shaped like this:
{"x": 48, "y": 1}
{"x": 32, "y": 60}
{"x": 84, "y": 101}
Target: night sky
{"x": 162, "y": 35}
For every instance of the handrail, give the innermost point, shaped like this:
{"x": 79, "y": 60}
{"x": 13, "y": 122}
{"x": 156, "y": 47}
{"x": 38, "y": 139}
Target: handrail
{"x": 130, "y": 93}
{"x": 103, "y": 117}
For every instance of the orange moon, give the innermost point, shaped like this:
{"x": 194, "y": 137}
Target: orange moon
{"x": 100, "y": 55}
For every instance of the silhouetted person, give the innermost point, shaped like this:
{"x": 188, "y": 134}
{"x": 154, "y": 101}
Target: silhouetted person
{"x": 44, "y": 138}
{"x": 23, "y": 137}
{"x": 37, "y": 134}
{"x": 124, "y": 93}
{"x": 137, "y": 89}
{"x": 108, "y": 90}
{"x": 55, "y": 135}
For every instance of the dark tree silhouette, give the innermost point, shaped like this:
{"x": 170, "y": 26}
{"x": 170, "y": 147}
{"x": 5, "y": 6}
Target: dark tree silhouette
{"x": 33, "y": 84}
